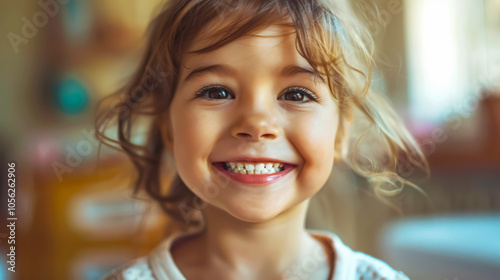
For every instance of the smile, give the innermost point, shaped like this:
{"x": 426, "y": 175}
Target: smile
{"x": 253, "y": 168}
{"x": 254, "y": 172}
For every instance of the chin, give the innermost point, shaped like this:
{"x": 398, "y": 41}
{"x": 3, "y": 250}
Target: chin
{"x": 254, "y": 218}
{"x": 253, "y": 214}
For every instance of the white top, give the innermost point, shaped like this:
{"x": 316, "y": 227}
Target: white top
{"x": 348, "y": 265}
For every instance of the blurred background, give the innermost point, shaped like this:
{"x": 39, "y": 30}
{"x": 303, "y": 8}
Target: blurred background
{"x": 438, "y": 62}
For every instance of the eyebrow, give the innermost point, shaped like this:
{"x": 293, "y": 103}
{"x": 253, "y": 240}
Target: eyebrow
{"x": 218, "y": 69}
{"x": 293, "y": 70}
{"x": 288, "y": 71}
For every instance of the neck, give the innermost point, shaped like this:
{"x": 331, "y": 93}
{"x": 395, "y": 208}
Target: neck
{"x": 265, "y": 248}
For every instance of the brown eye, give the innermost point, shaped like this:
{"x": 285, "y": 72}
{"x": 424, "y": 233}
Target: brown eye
{"x": 298, "y": 94}
{"x": 294, "y": 96}
{"x": 214, "y": 92}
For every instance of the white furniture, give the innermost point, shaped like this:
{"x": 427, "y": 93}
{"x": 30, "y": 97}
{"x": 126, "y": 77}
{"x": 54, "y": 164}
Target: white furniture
{"x": 445, "y": 247}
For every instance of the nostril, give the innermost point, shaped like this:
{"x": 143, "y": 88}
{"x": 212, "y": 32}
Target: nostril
{"x": 256, "y": 127}
{"x": 244, "y": 135}
{"x": 269, "y": 136}
{"x": 249, "y": 136}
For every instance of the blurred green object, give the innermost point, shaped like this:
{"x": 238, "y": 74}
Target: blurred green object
{"x": 71, "y": 96}
{"x": 3, "y": 268}
{"x": 77, "y": 21}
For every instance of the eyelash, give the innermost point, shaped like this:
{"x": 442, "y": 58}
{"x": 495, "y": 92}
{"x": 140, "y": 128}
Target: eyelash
{"x": 304, "y": 91}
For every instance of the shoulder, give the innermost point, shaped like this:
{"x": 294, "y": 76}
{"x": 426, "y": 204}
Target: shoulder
{"x": 158, "y": 264}
{"x": 370, "y": 268}
{"x": 135, "y": 270}
{"x": 354, "y": 265}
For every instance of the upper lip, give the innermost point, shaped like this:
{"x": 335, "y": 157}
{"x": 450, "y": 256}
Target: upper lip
{"x": 256, "y": 159}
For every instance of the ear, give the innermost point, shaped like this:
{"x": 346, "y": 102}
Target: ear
{"x": 164, "y": 125}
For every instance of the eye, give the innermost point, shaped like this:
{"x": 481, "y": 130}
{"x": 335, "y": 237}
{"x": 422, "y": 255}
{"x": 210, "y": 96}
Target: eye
{"x": 214, "y": 92}
{"x": 298, "y": 94}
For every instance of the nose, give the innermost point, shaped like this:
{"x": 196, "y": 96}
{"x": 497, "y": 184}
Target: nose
{"x": 256, "y": 126}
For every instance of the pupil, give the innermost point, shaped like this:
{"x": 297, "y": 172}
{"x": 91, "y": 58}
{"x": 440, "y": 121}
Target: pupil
{"x": 217, "y": 93}
{"x": 296, "y": 96}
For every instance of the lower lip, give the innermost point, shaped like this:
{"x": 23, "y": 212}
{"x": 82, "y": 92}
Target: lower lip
{"x": 253, "y": 178}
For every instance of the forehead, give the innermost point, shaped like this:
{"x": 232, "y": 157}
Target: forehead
{"x": 226, "y": 31}
{"x": 274, "y": 44}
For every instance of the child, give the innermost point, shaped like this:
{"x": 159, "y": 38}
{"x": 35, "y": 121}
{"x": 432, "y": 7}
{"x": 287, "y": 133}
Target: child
{"x": 252, "y": 102}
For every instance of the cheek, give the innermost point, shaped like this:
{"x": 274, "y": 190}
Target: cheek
{"x": 190, "y": 136}
{"x": 194, "y": 136}
{"x": 317, "y": 138}
{"x": 315, "y": 141}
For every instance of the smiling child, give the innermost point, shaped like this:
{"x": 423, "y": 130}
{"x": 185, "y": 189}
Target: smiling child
{"x": 252, "y": 101}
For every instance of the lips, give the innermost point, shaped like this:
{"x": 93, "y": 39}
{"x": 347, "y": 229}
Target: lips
{"x": 255, "y": 179}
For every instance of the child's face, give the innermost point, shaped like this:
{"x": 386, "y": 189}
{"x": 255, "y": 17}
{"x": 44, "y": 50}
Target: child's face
{"x": 250, "y": 112}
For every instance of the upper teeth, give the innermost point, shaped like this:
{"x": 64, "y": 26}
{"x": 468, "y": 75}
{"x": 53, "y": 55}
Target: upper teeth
{"x": 251, "y": 168}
